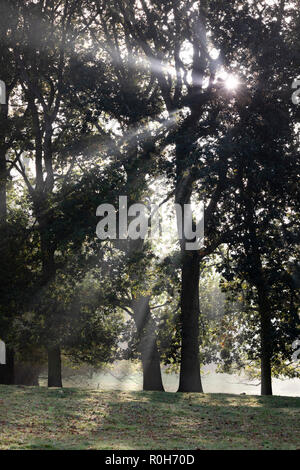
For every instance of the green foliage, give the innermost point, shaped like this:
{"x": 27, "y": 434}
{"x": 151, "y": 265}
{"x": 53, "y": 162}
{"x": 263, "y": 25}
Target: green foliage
{"x": 103, "y": 104}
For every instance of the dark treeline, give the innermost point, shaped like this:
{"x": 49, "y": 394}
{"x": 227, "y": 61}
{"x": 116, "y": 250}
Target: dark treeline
{"x": 159, "y": 101}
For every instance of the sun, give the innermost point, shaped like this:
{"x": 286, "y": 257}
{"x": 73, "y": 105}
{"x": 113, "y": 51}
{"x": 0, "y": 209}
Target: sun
{"x": 232, "y": 82}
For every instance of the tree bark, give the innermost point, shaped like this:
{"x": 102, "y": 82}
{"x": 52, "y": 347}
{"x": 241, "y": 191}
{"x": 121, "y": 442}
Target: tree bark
{"x": 152, "y": 380}
{"x": 7, "y": 375}
{"x": 48, "y": 274}
{"x": 3, "y": 164}
{"x": 3, "y": 183}
{"x": 54, "y": 367}
{"x": 190, "y": 378}
{"x": 258, "y": 279}
{"x": 266, "y": 344}
{"x": 6, "y": 370}
{"x": 27, "y": 373}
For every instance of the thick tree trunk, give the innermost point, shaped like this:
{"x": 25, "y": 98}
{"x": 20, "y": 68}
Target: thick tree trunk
{"x": 27, "y": 373}
{"x": 266, "y": 344}
{"x": 7, "y": 376}
{"x": 152, "y": 379}
{"x": 54, "y": 367}
{"x": 190, "y": 378}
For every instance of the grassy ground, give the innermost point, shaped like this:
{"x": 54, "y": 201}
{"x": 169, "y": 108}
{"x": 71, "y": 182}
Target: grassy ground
{"x": 38, "y": 418}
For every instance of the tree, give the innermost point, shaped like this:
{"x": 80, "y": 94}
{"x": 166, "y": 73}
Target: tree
{"x": 9, "y": 134}
{"x": 43, "y": 48}
{"x": 159, "y": 42}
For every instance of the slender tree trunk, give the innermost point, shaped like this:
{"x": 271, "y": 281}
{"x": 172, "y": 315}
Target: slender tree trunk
{"x": 190, "y": 378}
{"x": 266, "y": 344}
{"x": 6, "y": 370}
{"x": 3, "y": 164}
{"x": 152, "y": 379}
{"x": 7, "y": 375}
{"x": 49, "y": 271}
{"x": 54, "y": 367}
{"x": 3, "y": 182}
{"x": 264, "y": 307}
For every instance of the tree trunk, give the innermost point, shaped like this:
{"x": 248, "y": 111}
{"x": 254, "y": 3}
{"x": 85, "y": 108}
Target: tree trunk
{"x": 152, "y": 380}
{"x": 264, "y": 307}
{"x": 266, "y": 344}
{"x": 190, "y": 378}
{"x": 3, "y": 164}
{"x": 7, "y": 376}
{"x": 3, "y": 183}
{"x": 54, "y": 367}
{"x": 27, "y": 373}
{"x": 48, "y": 274}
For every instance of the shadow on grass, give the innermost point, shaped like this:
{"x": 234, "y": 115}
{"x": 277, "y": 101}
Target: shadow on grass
{"x": 191, "y": 421}
{"x": 41, "y": 418}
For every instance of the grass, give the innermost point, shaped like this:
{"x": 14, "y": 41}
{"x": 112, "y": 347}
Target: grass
{"x": 41, "y": 418}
